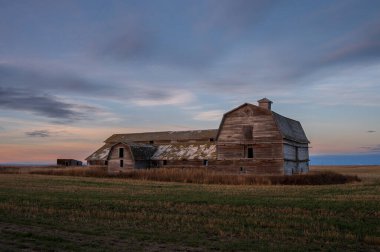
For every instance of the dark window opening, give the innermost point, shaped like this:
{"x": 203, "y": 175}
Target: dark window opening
{"x": 250, "y": 152}
{"x": 205, "y": 162}
{"x": 248, "y": 132}
{"x": 66, "y": 163}
{"x": 151, "y": 142}
{"x": 165, "y": 162}
{"x": 106, "y": 162}
{"x": 211, "y": 139}
{"x": 121, "y": 152}
{"x": 121, "y": 163}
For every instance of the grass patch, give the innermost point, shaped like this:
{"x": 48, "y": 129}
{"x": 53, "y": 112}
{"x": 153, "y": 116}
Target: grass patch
{"x": 110, "y": 214}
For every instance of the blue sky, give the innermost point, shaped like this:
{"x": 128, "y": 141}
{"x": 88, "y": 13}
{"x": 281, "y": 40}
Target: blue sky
{"x": 74, "y": 72}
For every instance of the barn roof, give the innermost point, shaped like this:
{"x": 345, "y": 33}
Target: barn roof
{"x": 290, "y": 129}
{"x": 233, "y": 110}
{"x": 101, "y": 153}
{"x": 185, "y": 151}
{"x": 142, "y": 151}
{"x": 163, "y": 135}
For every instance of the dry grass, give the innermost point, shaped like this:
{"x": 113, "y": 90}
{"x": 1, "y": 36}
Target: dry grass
{"x": 368, "y": 173}
{"x": 204, "y": 176}
{"x": 25, "y": 169}
{"x": 82, "y": 171}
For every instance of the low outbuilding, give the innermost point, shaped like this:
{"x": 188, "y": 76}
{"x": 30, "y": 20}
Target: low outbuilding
{"x": 68, "y": 162}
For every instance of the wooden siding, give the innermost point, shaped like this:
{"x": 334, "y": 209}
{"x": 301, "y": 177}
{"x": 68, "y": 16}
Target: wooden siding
{"x": 292, "y": 167}
{"x": 248, "y": 166}
{"x": 290, "y": 152}
{"x": 296, "y": 157}
{"x": 114, "y": 159}
{"x": 295, "y": 153}
{"x": 266, "y": 141}
{"x": 97, "y": 162}
{"x": 303, "y": 153}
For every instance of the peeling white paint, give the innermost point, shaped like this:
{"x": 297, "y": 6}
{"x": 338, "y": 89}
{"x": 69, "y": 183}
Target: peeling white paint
{"x": 182, "y": 151}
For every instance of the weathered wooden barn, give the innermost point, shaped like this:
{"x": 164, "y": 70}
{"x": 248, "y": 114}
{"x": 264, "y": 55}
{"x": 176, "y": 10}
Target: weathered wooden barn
{"x": 250, "y": 138}
{"x": 68, "y": 162}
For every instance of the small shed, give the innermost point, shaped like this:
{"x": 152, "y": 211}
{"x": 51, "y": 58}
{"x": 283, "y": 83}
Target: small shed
{"x": 68, "y": 162}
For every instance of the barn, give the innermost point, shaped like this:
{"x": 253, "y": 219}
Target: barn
{"x": 250, "y": 139}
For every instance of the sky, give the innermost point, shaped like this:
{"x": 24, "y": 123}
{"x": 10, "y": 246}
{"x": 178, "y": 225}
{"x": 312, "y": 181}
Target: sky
{"x": 74, "y": 72}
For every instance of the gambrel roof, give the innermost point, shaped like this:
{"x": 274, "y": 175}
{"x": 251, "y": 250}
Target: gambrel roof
{"x": 290, "y": 129}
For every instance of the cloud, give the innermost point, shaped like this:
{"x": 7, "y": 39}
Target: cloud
{"x": 42, "y": 104}
{"x": 360, "y": 45}
{"x": 237, "y": 16}
{"x": 155, "y": 97}
{"x": 374, "y": 148}
{"x": 371, "y": 131}
{"x": 38, "y": 133}
{"x": 212, "y": 115}
{"x": 18, "y": 81}
{"x": 201, "y": 34}
{"x": 46, "y": 79}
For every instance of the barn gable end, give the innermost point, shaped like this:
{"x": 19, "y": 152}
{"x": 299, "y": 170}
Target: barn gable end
{"x": 249, "y": 137}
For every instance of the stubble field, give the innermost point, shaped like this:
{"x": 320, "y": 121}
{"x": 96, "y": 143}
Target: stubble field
{"x": 44, "y": 212}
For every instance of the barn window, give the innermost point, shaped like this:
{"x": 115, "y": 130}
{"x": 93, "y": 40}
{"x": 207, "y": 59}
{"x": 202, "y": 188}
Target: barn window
{"x": 151, "y": 142}
{"x": 205, "y": 162}
{"x": 248, "y": 132}
{"x": 121, "y": 152}
{"x": 211, "y": 139}
{"x": 250, "y": 152}
{"x": 165, "y": 162}
{"x": 121, "y": 163}
{"x": 106, "y": 162}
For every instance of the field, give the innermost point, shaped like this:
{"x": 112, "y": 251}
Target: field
{"x": 44, "y": 212}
